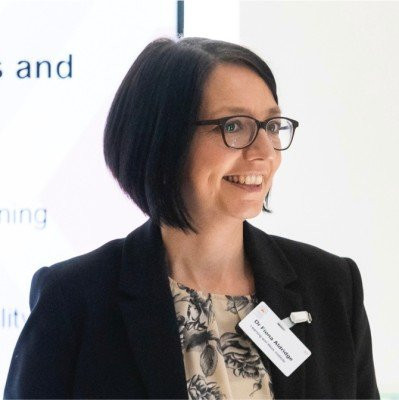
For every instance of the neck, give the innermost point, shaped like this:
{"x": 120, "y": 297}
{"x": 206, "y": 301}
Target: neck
{"x": 212, "y": 261}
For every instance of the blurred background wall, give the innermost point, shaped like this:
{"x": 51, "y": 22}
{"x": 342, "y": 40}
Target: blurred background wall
{"x": 336, "y": 66}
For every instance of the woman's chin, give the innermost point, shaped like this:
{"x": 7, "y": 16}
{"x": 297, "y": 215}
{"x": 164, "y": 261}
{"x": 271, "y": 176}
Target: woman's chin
{"x": 246, "y": 212}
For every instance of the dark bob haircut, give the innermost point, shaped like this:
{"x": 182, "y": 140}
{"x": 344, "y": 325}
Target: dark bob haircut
{"x": 149, "y": 127}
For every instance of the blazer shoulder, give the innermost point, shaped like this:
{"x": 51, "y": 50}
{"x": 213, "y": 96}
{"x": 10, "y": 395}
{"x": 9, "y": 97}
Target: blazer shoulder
{"x": 301, "y": 248}
{"x": 310, "y": 261}
{"x": 91, "y": 272}
{"x": 99, "y": 261}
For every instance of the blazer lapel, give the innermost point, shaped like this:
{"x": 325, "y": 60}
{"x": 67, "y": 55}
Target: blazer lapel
{"x": 275, "y": 285}
{"x": 148, "y": 311}
{"x": 147, "y": 308}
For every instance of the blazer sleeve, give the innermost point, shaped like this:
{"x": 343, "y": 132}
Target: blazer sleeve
{"x": 42, "y": 361}
{"x": 366, "y": 379}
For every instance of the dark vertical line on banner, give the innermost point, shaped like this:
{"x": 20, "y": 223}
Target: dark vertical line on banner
{"x": 180, "y": 18}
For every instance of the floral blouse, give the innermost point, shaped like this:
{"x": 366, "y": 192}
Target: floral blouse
{"x": 219, "y": 361}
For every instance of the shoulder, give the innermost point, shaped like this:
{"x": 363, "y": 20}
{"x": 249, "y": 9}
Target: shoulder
{"x": 315, "y": 265}
{"x": 323, "y": 275}
{"x": 305, "y": 251}
{"x": 102, "y": 259}
{"x": 94, "y": 271}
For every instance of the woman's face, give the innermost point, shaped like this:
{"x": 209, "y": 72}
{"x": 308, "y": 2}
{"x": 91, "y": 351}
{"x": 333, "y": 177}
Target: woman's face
{"x": 207, "y": 193}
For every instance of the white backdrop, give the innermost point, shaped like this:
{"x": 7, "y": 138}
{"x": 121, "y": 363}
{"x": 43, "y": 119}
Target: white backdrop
{"x": 335, "y": 65}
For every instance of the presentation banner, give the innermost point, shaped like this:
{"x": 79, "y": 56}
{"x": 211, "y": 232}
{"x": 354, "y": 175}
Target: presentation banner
{"x": 61, "y": 63}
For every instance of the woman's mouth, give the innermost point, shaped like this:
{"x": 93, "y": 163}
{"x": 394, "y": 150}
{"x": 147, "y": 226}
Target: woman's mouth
{"x": 252, "y": 186}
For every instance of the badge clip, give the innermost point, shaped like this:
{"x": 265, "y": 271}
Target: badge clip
{"x": 296, "y": 318}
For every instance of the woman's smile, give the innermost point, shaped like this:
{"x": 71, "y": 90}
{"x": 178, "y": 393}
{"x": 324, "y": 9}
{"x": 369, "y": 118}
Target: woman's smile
{"x": 244, "y": 186}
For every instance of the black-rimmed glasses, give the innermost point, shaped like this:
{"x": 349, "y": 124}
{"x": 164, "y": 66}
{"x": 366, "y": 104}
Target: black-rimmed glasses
{"x": 240, "y": 131}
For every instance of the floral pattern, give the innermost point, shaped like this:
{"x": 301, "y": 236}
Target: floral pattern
{"x": 217, "y": 356}
{"x": 198, "y": 388}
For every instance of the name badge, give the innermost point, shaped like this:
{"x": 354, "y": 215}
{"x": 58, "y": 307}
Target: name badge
{"x": 274, "y": 338}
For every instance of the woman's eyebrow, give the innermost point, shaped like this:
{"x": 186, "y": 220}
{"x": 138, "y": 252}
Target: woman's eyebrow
{"x": 270, "y": 111}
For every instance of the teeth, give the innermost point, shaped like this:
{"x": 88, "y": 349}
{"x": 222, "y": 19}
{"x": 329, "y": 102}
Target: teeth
{"x": 246, "y": 180}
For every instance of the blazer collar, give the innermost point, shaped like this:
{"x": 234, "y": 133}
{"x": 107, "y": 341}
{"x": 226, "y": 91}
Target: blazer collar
{"x": 148, "y": 310}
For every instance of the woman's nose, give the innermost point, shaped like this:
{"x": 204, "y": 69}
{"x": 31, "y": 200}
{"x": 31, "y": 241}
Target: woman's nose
{"x": 263, "y": 145}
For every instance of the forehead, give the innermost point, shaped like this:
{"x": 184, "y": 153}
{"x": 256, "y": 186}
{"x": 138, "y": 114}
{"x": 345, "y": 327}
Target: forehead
{"x": 235, "y": 86}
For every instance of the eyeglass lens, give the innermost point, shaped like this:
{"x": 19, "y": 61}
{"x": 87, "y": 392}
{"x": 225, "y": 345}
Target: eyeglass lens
{"x": 240, "y": 131}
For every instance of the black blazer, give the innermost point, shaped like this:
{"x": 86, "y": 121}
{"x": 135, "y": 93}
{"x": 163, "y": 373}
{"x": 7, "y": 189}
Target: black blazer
{"x": 103, "y": 324}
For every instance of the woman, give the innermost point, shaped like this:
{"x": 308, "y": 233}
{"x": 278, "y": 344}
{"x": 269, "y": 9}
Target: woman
{"x": 194, "y": 137}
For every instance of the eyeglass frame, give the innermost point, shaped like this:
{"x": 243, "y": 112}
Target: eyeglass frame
{"x": 260, "y": 124}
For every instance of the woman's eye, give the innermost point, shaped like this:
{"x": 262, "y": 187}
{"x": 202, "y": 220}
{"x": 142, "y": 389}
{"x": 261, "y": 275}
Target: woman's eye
{"x": 232, "y": 127}
{"x": 275, "y": 128}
